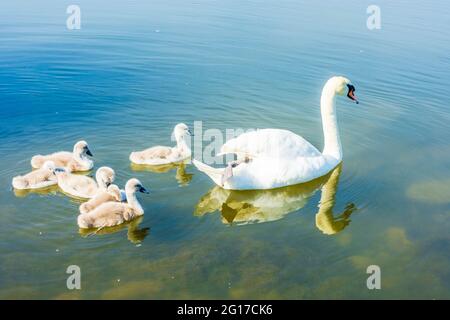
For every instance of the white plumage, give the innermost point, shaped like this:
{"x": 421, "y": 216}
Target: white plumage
{"x": 279, "y": 158}
{"x": 112, "y": 193}
{"x": 74, "y": 161}
{"x": 110, "y": 213}
{"x": 160, "y": 155}
{"x": 84, "y": 187}
{"x": 40, "y": 178}
{"x": 275, "y": 143}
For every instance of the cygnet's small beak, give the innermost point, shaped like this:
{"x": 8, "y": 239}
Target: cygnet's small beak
{"x": 89, "y": 153}
{"x": 143, "y": 190}
{"x": 190, "y": 132}
{"x": 108, "y": 184}
{"x": 56, "y": 170}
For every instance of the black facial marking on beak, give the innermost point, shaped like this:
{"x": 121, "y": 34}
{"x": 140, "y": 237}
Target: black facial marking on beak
{"x": 88, "y": 152}
{"x": 108, "y": 184}
{"x": 351, "y": 93}
{"x": 143, "y": 190}
{"x": 190, "y": 132}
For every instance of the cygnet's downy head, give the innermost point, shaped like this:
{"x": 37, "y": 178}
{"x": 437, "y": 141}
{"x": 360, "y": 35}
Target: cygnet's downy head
{"x": 105, "y": 176}
{"x": 115, "y": 192}
{"x": 49, "y": 165}
{"x": 134, "y": 185}
{"x": 181, "y": 131}
{"x": 82, "y": 148}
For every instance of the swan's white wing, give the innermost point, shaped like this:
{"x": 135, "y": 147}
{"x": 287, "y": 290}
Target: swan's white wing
{"x": 275, "y": 143}
{"x": 275, "y": 172}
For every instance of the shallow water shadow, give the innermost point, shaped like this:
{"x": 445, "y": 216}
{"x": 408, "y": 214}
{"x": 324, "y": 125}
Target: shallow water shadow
{"x": 134, "y": 234}
{"x": 181, "y": 175}
{"x": 258, "y": 206}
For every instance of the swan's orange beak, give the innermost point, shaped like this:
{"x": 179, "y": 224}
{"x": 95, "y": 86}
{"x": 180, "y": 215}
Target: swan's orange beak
{"x": 351, "y": 93}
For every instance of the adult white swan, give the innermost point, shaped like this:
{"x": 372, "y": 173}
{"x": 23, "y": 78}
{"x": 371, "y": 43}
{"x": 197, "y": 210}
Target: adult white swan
{"x": 274, "y": 158}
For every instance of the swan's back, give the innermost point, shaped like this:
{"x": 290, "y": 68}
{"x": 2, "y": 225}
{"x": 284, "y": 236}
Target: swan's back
{"x": 36, "y": 179}
{"x": 78, "y": 185}
{"x": 61, "y": 159}
{"x": 106, "y": 215}
{"x": 154, "y": 155}
{"x": 277, "y": 143}
{"x": 99, "y": 198}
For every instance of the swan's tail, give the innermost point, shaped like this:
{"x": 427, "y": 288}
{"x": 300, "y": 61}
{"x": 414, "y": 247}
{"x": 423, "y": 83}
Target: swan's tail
{"x": 136, "y": 158}
{"x": 37, "y": 161}
{"x": 83, "y": 222}
{"x": 19, "y": 183}
{"x": 215, "y": 174}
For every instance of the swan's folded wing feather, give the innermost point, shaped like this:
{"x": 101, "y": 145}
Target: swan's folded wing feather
{"x": 61, "y": 158}
{"x": 37, "y": 176}
{"x": 274, "y": 143}
{"x": 108, "y": 214}
{"x": 158, "y": 152}
{"x": 81, "y": 182}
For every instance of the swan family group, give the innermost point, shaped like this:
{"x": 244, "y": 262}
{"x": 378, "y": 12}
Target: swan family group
{"x": 265, "y": 159}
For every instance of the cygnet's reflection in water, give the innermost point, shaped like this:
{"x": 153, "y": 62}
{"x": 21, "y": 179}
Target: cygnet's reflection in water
{"x": 257, "y": 206}
{"x": 134, "y": 234}
{"x": 181, "y": 175}
{"x": 42, "y": 191}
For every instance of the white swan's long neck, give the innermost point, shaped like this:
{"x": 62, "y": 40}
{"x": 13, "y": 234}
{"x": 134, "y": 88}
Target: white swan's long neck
{"x": 82, "y": 158}
{"x": 182, "y": 146}
{"x": 101, "y": 181}
{"x": 133, "y": 202}
{"x": 332, "y": 141}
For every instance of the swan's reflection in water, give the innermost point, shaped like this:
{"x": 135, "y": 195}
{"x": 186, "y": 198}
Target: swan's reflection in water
{"x": 41, "y": 192}
{"x": 257, "y": 206}
{"x": 181, "y": 175}
{"x": 134, "y": 234}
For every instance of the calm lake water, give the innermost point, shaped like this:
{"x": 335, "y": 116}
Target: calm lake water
{"x": 136, "y": 69}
